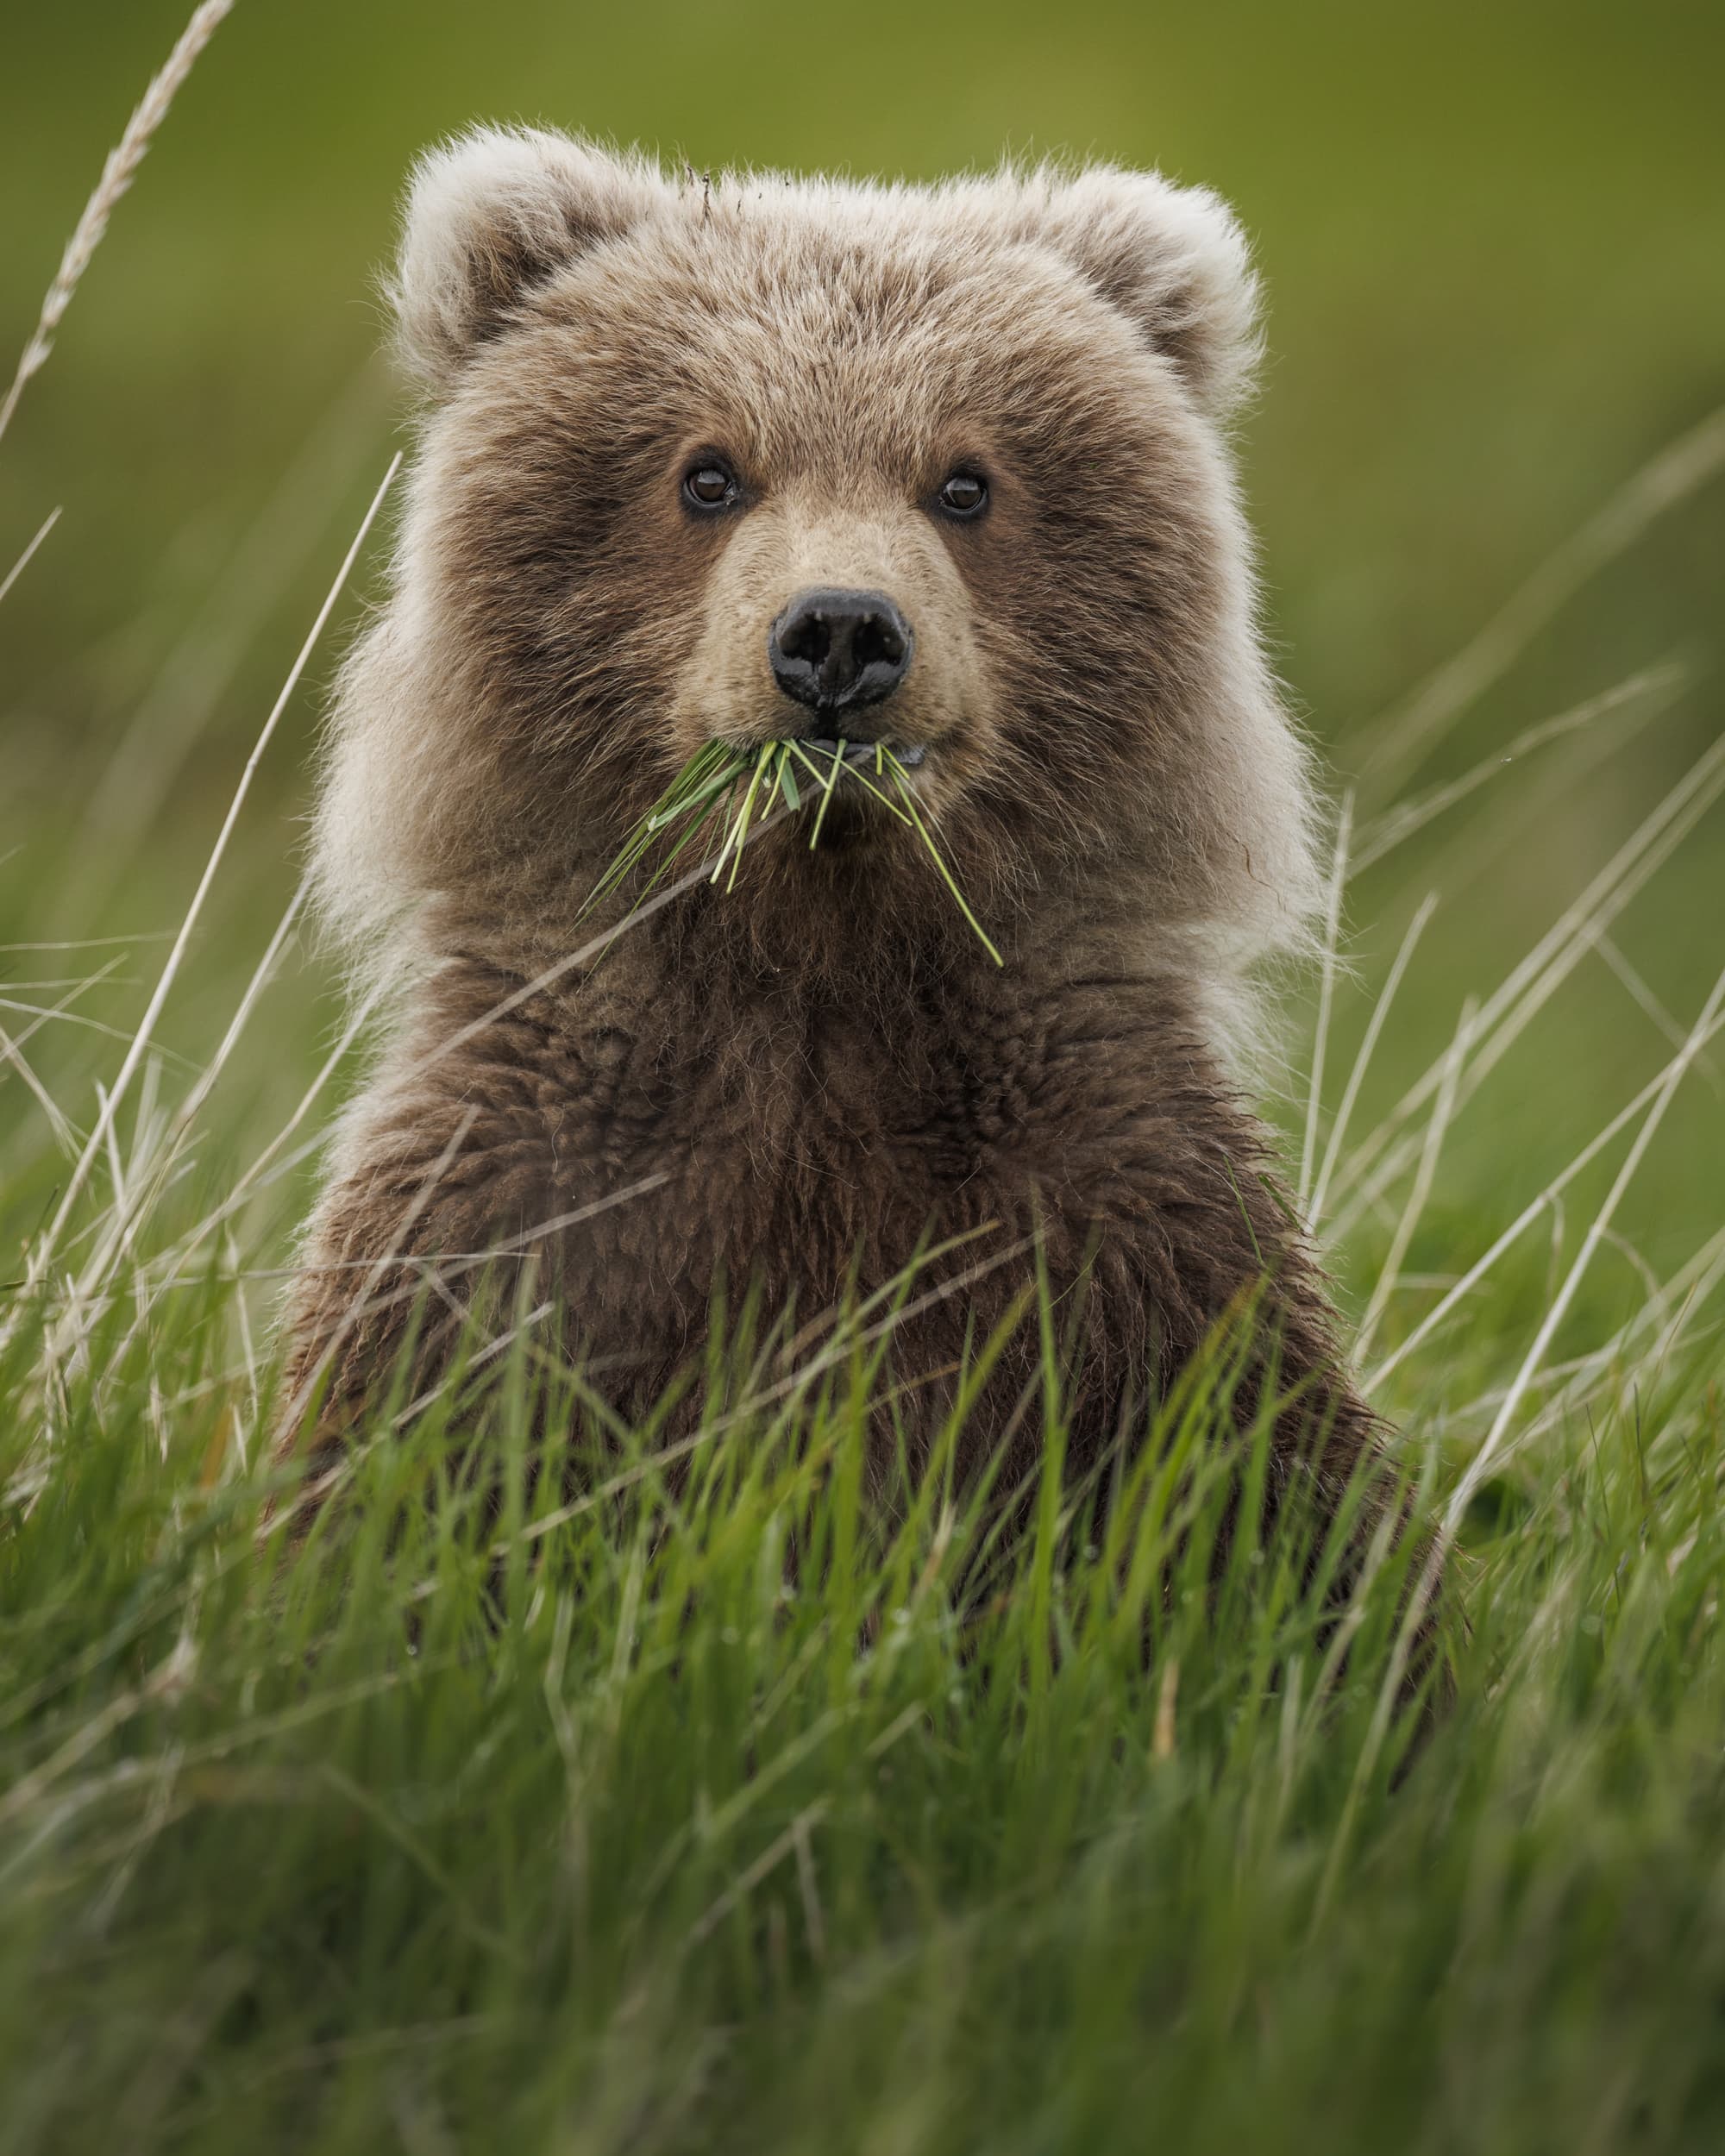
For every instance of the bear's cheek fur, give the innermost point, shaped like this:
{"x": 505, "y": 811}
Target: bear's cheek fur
{"x": 1093, "y": 585}
{"x": 568, "y": 589}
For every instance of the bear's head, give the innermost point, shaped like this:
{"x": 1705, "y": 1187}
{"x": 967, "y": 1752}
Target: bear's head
{"x": 761, "y": 459}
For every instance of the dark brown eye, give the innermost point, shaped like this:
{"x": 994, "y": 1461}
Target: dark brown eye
{"x": 965, "y": 494}
{"x": 710, "y": 485}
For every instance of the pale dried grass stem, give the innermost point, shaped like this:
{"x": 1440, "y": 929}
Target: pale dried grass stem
{"x": 1436, "y": 1127}
{"x": 23, "y": 560}
{"x": 1551, "y": 1196}
{"x": 140, "y": 1039}
{"x": 1483, "y": 1461}
{"x": 1398, "y": 742}
{"x": 1362, "y": 1061}
{"x": 117, "y": 175}
{"x": 1333, "y": 922}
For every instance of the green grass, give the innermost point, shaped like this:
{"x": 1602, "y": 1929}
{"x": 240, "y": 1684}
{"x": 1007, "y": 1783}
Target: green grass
{"x": 714, "y": 1807}
{"x": 711, "y": 1810}
{"x": 725, "y": 1811}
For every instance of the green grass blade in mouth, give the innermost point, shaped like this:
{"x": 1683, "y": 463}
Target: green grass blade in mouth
{"x": 706, "y": 767}
{"x": 693, "y": 830}
{"x": 833, "y": 770}
{"x": 707, "y": 772}
{"x": 685, "y": 838}
{"x": 716, "y": 783}
{"x": 708, "y": 783}
{"x": 934, "y": 854}
{"x": 739, "y": 832}
{"x": 868, "y": 786}
{"x": 633, "y": 852}
{"x": 838, "y": 768}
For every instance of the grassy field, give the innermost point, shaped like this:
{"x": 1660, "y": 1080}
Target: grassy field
{"x": 598, "y": 1828}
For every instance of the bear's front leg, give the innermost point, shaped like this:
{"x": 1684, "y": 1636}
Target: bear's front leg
{"x": 439, "y": 1190}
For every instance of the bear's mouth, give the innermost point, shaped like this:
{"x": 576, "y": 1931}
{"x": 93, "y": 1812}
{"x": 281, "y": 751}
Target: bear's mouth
{"x": 860, "y": 753}
{"x": 741, "y": 791}
{"x": 856, "y": 790}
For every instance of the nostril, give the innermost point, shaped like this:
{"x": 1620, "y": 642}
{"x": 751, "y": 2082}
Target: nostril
{"x": 807, "y": 637}
{"x": 877, "y": 641}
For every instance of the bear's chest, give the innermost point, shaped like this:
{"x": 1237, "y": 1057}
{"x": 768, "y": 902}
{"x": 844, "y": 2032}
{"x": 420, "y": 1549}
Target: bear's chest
{"x": 809, "y": 1157}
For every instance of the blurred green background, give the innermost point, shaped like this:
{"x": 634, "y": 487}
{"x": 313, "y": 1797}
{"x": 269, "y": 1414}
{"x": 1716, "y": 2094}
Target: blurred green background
{"x": 1493, "y": 241}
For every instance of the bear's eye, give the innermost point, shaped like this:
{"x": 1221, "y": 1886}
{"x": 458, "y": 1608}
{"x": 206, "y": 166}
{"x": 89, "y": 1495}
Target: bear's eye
{"x": 964, "y": 494}
{"x": 710, "y": 485}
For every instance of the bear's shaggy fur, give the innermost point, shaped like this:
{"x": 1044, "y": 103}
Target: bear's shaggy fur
{"x": 792, "y": 1084}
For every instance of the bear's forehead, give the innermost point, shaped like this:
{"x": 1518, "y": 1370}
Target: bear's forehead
{"x": 867, "y": 323}
{"x": 850, "y": 272}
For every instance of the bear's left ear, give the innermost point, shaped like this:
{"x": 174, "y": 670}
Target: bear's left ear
{"x": 1173, "y": 259}
{"x": 491, "y": 216}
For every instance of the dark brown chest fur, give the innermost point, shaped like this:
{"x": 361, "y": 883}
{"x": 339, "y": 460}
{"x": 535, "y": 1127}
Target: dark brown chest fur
{"x": 746, "y": 1131}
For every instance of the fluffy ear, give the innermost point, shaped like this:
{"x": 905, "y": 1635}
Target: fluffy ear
{"x": 1172, "y": 259}
{"x": 490, "y": 216}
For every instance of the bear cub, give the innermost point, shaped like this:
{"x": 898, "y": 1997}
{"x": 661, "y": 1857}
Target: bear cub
{"x": 945, "y": 469}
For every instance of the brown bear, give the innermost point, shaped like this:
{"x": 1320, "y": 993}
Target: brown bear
{"x": 943, "y": 469}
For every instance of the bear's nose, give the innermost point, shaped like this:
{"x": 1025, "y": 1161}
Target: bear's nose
{"x": 837, "y": 651}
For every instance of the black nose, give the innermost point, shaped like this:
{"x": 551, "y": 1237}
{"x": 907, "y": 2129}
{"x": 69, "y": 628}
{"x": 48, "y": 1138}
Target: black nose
{"x": 837, "y": 651}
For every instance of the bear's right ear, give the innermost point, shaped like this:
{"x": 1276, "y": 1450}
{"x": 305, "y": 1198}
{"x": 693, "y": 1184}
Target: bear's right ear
{"x": 492, "y": 216}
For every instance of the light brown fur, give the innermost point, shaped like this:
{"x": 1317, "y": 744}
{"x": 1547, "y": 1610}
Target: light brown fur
{"x": 811, "y": 1074}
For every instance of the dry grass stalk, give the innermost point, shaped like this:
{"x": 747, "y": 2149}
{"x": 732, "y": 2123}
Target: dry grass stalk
{"x": 46, "y": 1245}
{"x": 23, "y": 560}
{"x": 117, "y": 175}
{"x": 1480, "y": 1463}
{"x": 1396, "y": 745}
